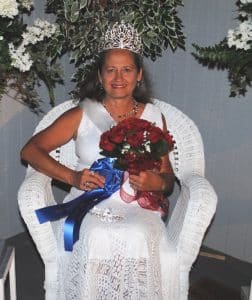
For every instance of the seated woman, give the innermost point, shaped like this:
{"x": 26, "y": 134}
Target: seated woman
{"x": 122, "y": 256}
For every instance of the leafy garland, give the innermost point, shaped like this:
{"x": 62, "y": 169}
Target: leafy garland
{"x": 29, "y": 54}
{"x": 233, "y": 53}
{"x": 82, "y": 23}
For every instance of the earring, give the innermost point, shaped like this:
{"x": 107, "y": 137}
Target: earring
{"x": 138, "y": 84}
{"x": 101, "y": 87}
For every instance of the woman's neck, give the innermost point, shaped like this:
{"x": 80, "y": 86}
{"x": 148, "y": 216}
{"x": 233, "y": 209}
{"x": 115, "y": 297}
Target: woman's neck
{"x": 118, "y": 102}
{"x": 120, "y": 109}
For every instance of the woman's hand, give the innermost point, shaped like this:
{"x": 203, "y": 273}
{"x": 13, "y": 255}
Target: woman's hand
{"x": 150, "y": 181}
{"x": 88, "y": 180}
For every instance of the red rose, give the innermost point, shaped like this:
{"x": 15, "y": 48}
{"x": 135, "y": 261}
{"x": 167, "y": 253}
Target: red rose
{"x": 130, "y": 157}
{"x": 117, "y": 134}
{"x": 135, "y": 139}
{"x": 127, "y": 124}
{"x": 136, "y": 124}
{"x": 155, "y": 134}
{"x": 105, "y": 142}
{"x": 142, "y": 124}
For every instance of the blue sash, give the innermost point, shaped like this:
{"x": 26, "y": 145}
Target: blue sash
{"x": 76, "y": 209}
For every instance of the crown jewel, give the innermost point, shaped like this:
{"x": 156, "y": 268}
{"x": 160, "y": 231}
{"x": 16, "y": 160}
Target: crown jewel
{"x": 122, "y": 36}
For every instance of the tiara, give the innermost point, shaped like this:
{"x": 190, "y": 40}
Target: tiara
{"x": 122, "y": 36}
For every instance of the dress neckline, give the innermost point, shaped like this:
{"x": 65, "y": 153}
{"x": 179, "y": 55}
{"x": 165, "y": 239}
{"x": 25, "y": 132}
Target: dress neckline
{"x": 116, "y": 122}
{"x": 99, "y": 115}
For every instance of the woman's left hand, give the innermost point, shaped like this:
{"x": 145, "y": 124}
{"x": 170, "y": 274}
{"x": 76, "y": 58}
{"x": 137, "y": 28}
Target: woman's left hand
{"x": 148, "y": 181}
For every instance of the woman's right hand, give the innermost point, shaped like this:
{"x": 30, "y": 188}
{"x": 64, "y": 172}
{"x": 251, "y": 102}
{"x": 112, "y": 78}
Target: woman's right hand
{"x": 88, "y": 180}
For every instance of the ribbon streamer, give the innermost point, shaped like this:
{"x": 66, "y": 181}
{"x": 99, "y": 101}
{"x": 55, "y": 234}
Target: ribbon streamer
{"x": 148, "y": 200}
{"x": 76, "y": 209}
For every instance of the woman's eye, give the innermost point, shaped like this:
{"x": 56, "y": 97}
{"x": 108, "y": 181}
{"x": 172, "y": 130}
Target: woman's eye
{"x": 127, "y": 70}
{"x": 110, "y": 70}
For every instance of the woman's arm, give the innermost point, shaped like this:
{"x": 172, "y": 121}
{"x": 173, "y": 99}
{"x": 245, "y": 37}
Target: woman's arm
{"x": 36, "y": 151}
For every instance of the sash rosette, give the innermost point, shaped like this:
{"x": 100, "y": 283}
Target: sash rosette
{"x": 137, "y": 145}
{"x": 76, "y": 209}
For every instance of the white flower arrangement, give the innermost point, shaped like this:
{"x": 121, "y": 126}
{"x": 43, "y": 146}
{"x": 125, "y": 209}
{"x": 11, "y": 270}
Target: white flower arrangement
{"x": 234, "y": 52}
{"x": 24, "y": 50}
{"x": 241, "y": 37}
{"x": 8, "y": 8}
{"x": 21, "y": 59}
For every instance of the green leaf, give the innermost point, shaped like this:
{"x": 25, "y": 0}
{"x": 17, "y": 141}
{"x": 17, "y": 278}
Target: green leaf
{"x": 83, "y": 3}
{"x": 159, "y": 149}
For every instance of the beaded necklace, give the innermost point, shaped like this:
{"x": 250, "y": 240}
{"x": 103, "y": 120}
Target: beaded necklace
{"x": 130, "y": 113}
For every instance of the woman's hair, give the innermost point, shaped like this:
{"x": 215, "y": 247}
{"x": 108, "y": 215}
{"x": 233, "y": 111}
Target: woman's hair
{"x": 92, "y": 89}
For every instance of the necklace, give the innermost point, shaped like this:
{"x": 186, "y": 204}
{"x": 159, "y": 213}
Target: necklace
{"x": 132, "y": 112}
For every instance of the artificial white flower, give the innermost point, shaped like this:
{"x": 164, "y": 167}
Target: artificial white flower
{"x": 19, "y": 58}
{"x": 246, "y": 28}
{"x": 234, "y": 39}
{"x": 38, "y": 32}
{"x": 246, "y": 1}
{"x": 26, "y": 4}
{"x": 8, "y": 8}
{"x": 241, "y": 37}
{"x": 147, "y": 147}
{"x": 126, "y": 148}
{"x": 1, "y": 37}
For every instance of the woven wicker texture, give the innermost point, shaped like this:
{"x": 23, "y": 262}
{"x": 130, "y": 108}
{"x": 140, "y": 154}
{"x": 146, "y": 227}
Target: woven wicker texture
{"x": 189, "y": 220}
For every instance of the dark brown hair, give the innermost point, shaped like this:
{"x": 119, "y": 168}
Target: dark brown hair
{"x": 92, "y": 89}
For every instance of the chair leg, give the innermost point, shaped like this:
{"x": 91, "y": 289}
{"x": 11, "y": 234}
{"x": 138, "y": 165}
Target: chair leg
{"x": 8, "y": 267}
{"x": 12, "y": 276}
{"x": 1, "y": 289}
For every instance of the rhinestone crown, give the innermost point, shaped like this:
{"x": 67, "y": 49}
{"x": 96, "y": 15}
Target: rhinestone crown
{"x": 122, "y": 36}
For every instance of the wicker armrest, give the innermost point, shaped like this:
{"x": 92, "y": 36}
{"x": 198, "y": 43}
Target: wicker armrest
{"x": 199, "y": 213}
{"x": 36, "y": 192}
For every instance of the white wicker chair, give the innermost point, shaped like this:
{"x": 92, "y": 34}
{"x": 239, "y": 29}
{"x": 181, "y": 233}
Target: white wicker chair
{"x": 190, "y": 218}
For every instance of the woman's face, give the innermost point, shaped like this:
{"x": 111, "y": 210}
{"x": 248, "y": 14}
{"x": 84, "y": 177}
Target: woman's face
{"x": 119, "y": 74}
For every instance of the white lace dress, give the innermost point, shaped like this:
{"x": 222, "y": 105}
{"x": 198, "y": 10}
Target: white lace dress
{"x": 123, "y": 251}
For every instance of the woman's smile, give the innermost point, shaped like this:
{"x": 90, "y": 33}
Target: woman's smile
{"x": 119, "y": 74}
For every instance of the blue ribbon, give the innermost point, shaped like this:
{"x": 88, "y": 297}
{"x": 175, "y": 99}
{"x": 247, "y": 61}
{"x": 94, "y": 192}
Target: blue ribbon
{"x": 76, "y": 209}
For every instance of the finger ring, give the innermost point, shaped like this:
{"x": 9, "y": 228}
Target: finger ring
{"x": 86, "y": 184}
{"x": 91, "y": 172}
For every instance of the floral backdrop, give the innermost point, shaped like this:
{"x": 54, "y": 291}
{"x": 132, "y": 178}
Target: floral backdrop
{"x": 24, "y": 59}
{"x": 29, "y": 54}
{"x": 234, "y": 52}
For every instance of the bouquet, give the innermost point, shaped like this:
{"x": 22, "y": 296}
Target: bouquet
{"x": 138, "y": 145}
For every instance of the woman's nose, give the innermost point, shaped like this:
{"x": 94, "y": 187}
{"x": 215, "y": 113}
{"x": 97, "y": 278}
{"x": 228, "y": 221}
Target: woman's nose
{"x": 118, "y": 75}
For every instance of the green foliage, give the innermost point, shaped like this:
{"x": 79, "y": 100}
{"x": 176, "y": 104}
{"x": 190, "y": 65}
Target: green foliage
{"x": 82, "y": 23}
{"x": 237, "y": 62}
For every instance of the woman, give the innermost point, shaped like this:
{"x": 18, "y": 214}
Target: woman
{"x": 121, "y": 256}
